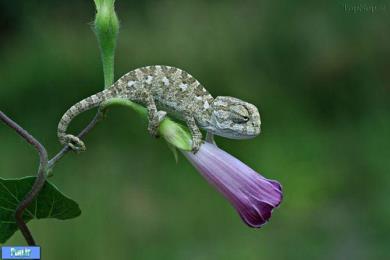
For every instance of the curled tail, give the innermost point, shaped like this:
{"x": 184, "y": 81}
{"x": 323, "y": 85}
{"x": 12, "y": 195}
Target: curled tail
{"x": 83, "y": 105}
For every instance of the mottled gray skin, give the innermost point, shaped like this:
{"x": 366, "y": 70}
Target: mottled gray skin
{"x": 164, "y": 89}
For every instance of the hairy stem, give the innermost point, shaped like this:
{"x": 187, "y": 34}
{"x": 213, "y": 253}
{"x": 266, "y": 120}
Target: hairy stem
{"x": 39, "y": 181}
{"x": 44, "y": 167}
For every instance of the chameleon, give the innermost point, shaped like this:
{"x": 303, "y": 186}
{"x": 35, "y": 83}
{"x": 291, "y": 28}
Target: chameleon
{"x": 168, "y": 90}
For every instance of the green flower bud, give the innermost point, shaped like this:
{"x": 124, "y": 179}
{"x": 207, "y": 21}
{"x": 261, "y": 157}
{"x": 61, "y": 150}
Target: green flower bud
{"x": 175, "y": 134}
{"x": 106, "y": 27}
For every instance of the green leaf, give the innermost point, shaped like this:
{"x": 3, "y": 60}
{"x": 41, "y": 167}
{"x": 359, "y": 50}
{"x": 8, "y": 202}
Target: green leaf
{"x": 50, "y": 203}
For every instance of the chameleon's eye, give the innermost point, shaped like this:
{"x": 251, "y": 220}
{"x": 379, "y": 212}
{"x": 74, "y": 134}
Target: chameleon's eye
{"x": 239, "y": 114}
{"x": 239, "y": 119}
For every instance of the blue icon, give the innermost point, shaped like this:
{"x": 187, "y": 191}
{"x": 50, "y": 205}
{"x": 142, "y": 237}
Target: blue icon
{"x": 21, "y": 252}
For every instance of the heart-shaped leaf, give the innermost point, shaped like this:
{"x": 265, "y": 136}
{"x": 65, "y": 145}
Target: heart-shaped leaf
{"x": 50, "y": 203}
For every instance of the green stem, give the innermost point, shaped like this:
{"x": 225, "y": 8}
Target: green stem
{"x": 174, "y": 133}
{"x": 125, "y": 102}
{"x": 106, "y": 28}
{"x": 108, "y": 68}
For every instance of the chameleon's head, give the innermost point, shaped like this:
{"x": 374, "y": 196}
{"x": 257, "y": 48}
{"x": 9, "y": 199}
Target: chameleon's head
{"x": 234, "y": 118}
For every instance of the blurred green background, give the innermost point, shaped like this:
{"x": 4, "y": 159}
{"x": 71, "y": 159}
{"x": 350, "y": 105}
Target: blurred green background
{"x": 319, "y": 73}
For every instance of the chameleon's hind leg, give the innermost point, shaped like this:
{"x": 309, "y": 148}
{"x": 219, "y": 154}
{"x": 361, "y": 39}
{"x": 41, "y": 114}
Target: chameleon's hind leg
{"x": 195, "y": 132}
{"x": 155, "y": 117}
{"x": 74, "y": 143}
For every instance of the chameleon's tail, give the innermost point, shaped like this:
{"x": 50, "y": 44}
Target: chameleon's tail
{"x": 78, "y": 108}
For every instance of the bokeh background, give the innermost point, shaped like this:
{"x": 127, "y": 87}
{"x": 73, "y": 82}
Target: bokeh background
{"x": 319, "y": 72}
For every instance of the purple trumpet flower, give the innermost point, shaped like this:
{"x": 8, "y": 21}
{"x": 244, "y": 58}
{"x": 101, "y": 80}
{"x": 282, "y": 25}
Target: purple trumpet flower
{"x": 252, "y": 195}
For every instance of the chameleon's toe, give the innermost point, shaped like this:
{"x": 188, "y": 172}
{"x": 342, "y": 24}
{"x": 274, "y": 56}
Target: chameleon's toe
{"x": 75, "y": 143}
{"x": 196, "y": 145}
{"x": 155, "y": 123}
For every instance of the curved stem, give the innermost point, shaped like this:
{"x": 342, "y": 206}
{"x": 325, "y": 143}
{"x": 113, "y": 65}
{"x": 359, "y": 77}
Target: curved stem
{"x": 39, "y": 181}
{"x": 44, "y": 167}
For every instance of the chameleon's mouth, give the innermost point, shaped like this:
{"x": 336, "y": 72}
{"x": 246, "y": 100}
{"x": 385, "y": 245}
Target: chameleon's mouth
{"x": 250, "y": 133}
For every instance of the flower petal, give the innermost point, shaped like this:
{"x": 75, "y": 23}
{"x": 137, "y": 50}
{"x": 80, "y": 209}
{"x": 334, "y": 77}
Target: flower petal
{"x": 252, "y": 195}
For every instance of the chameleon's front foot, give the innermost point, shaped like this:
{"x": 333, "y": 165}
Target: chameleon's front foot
{"x": 154, "y": 123}
{"x": 196, "y": 142}
{"x": 74, "y": 143}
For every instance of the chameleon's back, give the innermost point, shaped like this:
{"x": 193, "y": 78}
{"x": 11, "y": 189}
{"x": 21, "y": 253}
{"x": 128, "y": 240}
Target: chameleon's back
{"x": 170, "y": 89}
{"x": 173, "y": 89}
